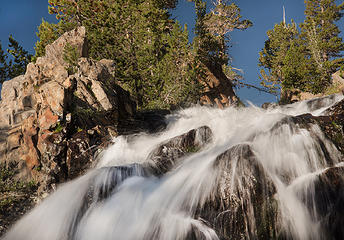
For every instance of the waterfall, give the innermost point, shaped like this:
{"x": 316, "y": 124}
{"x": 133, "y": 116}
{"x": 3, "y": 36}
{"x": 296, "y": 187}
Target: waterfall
{"x": 255, "y": 179}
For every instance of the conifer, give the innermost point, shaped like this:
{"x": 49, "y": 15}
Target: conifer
{"x": 283, "y": 61}
{"x": 15, "y": 63}
{"x": 138, "y": 35}
{"x": 3, "y": 65}
{"x": 321, "y": 35}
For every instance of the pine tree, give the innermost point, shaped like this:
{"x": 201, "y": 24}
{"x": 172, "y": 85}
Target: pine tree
{"x": 322, "y": 37}
{"x": 136, "y": 34}
{"x": 3, "y": 65}
{"x": 284, "y": 63}
{"x": 212, "y": 36}
{"x": 14, "y": 64}
{"x": 21, "y": 58}
{"x": 178, "y": 84}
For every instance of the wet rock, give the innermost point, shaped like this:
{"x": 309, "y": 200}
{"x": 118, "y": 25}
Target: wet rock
{"x": 80, "y": 152}
{"x": 329, "y": 201}
{"x": 330, "y": 128}
{"x": 317, "y": 103}
{"x": 269, "y": 105}
{"x": 166, "y": 155}
{"x": 242, "y": 206}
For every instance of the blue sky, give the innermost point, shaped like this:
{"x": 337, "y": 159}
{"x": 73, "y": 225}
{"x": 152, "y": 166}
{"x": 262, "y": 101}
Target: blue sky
{"x": 22, "y": 17}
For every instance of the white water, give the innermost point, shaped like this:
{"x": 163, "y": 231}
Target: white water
{"x": 141, "y": 206}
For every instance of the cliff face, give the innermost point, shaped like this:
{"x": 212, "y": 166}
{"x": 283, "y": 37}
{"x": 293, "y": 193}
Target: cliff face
{"x": 52, "y": 121}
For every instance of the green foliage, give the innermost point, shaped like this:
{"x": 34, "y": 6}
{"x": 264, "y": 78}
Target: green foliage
{"x": 3, "y": 65}
{"x": 58, "y": 128}
{"x": 9, "y": 184}
{"x": 21, "y": 58}
{"x": 282, "y": 58}
{"x": 294, "y": 60}
{"x": 14, "y": 62}
{"x": 321, "y": 36}
{"x": 153, "y": 58}
{"x": 176, "y": 82}
{"x": 12, "y": 191}
{"x": 212, "y": 35}
{"x": 332, "y": 89}
{"x": 304, "y": 61}
{"x": 151, "y": 51}
{"x": 71, "y": 56}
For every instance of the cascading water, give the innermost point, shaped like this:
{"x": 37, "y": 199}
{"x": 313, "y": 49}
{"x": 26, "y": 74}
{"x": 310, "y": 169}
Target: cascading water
{"x": 253, "y": 180}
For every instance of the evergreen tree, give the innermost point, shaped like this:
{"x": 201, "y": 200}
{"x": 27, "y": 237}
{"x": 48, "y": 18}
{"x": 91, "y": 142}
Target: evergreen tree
{"x": 212, "y": 35}
{"x": 212, "y": 29}
{"x": 14, "y": 65}
{"x": 179, "y": 84}
{"x": 3, "y": 65}
{"x": 295, "y": 61}
{"x": 321, "y": 35}
{"x": 136, "y": 34}
{"x": 284, "y": 61}
{"x": 21, "y": 58}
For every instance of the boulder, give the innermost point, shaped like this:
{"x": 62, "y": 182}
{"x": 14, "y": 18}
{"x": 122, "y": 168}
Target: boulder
{"x": 324, "y": 197}
{"x": 167, "y": 154}
{"x": 329, "y": 201}
{"x": 242, "y": 205}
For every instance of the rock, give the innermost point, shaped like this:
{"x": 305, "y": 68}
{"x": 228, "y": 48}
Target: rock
{"x": 79, "y": 154}
{"x": 301, "y": 96}
{"x": 338, "y": 80}
{"x": 165, "y": 156}
{"x": 242, "y": 206}
{"x": 320, "y": 102}
{"x": 332, "y": 124}
{"x": 54, "y": 52}
{"x": 54, "y": 122}
{"x": 269, "y": 105}
{"x": 328, "y": 200}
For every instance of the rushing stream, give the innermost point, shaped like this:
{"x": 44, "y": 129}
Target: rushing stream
{"x": 124, "y": 199}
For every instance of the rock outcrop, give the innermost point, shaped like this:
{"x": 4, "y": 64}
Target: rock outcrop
{"x": 53, "y": 121}
{"x": 329, "y": 200}
{"x": 243, "y": 205}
